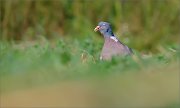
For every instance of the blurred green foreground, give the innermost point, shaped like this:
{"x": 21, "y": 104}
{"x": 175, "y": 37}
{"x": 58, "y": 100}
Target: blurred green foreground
{"x": 64, "y": 75}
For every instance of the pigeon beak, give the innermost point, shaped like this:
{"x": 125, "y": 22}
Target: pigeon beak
{"x": 97, "y": 28}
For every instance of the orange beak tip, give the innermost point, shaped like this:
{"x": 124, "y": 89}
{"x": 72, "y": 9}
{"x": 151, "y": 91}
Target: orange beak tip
{"x": 96, "y": 29}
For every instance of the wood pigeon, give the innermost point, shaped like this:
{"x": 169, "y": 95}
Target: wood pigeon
{"x": 112, "y": 46}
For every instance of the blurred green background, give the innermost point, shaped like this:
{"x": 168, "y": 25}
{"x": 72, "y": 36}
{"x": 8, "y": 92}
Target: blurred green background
{"x": 143, "y": 24}
{"x": 49, "y": 54}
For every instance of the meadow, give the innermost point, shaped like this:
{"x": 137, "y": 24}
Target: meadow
{"x": 49, "y": 54}
{"x": 60, "y": 74}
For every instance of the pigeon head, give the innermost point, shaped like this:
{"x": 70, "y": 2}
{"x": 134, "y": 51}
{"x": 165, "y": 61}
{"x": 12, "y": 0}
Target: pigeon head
{"x": 105, "y": 29}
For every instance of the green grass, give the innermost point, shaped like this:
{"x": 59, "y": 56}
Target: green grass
{"x": 49, "y": 54}
{"x": 72, "y": 60}
{"x": 33, "y": 65}
{"x": 147, "y": 24}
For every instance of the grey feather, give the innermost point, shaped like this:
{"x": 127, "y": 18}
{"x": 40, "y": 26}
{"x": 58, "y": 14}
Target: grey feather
{"x": 112, "y": 46}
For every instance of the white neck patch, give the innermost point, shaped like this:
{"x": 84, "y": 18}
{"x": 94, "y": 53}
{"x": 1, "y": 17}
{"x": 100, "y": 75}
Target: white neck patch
{"x": 114, "y": 38}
